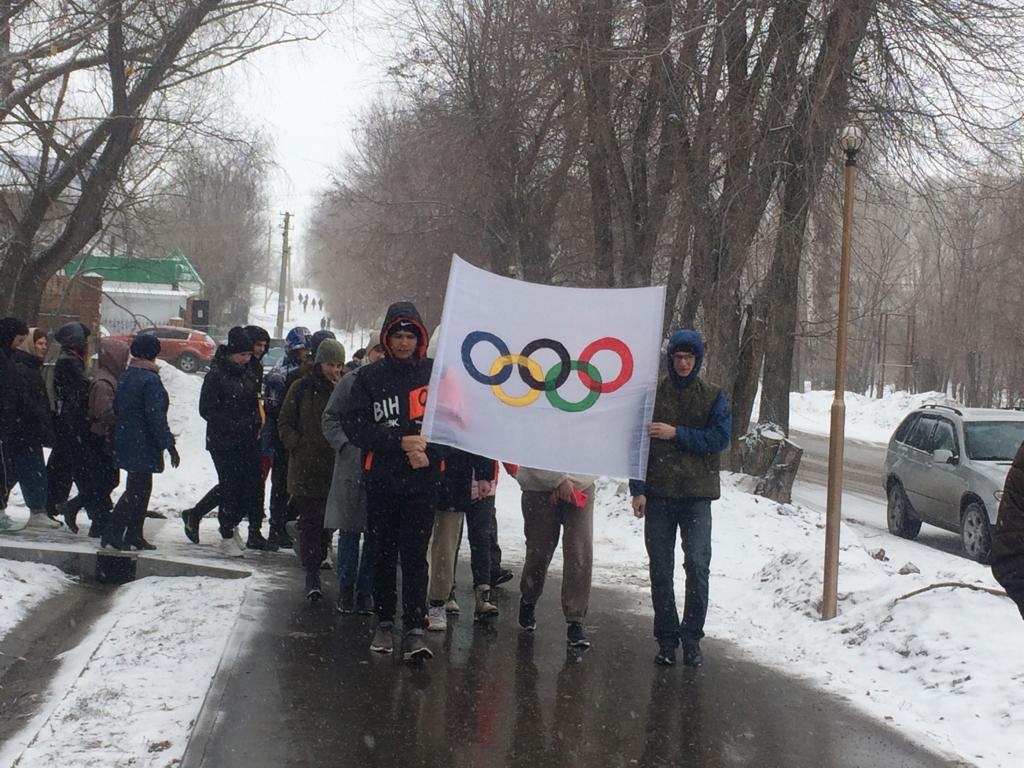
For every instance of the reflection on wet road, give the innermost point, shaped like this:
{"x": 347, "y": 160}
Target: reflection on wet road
{"x": 305, "y": 691}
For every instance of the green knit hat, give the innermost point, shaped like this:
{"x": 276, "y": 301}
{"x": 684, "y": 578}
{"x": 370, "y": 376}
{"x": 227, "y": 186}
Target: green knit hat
{"x": 330, "y": 351}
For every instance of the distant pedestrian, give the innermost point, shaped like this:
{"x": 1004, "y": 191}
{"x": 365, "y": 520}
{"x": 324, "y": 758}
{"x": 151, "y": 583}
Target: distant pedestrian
{"x": 384, "y": 416}
{"x": 323, "y": 323}
{"x": 310, "y": 456}
{"x": 141, "y": 435}
{"x": 557, "y": 505}
{"x": 321, "y": 303}
{"x": 71, "y": 414}
{"x": 229, "y": 402}
{"x": 346, "y": 504}
{"x": 692, "y": 426}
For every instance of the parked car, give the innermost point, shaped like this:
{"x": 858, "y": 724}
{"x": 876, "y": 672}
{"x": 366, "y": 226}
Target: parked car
{"x": 188, "y": 349}
{"x": 273, "y": 357}
{"x": 946, "y": 466}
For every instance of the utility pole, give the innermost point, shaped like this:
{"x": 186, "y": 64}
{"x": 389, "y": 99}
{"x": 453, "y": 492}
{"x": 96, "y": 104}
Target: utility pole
{"x": 283, "y": 293}
{"x": 266, "y": 282}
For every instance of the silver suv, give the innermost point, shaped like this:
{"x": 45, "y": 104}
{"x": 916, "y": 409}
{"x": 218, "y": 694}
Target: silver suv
{"x": 946, "y": 466}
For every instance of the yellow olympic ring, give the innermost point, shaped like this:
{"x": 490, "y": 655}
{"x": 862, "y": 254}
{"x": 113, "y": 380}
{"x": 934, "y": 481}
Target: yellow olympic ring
{"x": 532, "y": 366}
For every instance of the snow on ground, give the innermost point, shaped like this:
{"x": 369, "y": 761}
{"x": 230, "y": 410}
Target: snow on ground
{"x": 130, "y": 693}
{"x": 866, "y": 418}
{"x": 26, "y": 585}
{"x": 943, "y": 667}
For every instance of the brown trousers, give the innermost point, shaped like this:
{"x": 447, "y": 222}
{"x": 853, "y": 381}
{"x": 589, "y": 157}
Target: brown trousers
{"x": 543, "y": 522}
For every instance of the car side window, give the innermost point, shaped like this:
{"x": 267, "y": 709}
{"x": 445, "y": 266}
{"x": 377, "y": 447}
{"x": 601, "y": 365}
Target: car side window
{"x": 920, "y": 436}
{"x": 944, "y": 438}
{"x": 177, "y": 335}
{"x": 904, "y": 429}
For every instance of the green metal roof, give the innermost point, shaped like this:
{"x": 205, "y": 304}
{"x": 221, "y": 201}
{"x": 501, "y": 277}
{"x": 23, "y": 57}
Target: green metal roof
{"x": 173, "y": 268}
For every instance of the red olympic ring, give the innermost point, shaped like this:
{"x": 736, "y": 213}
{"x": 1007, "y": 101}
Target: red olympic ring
{"x": 612, "y": 345}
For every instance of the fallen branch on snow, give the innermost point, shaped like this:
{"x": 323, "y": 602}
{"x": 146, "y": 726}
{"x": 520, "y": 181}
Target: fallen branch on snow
{"x": 954, "y": 584}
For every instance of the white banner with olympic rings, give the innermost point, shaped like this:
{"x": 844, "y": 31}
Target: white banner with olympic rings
{"x": 547, "y": 377}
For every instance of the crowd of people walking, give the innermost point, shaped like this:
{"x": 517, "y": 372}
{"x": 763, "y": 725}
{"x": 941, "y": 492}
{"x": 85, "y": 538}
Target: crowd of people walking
{"x": 339, "y": 442}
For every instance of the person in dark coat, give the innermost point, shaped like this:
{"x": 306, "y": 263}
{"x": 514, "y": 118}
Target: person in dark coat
{"x": 310, "y": 456}
{"x": 692, "y": 426}
{"x": 1008, "y": 535}
{"x": 27, "y": 424}
{"x": 275, "y": 387}
{"x": 190, "y": 517}
{"x": 71, "y": 414}
{"x": 141, "y": 435}
{"x": 383, "y": 416}
{"x": 229, "y": 402}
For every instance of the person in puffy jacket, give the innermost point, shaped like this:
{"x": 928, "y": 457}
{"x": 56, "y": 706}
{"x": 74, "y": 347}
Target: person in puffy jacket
{"x": 310, "y": 456}
{"x": 141, "y": 435}
{"x": 71, "y": 414}
{"x": 383, "y": 416}
{"x": 229, "y": 402}
{"x": 211, "y": 499}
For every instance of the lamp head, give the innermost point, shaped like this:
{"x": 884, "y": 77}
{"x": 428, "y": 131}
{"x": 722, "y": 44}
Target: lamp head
{"x": 851, "y": 140}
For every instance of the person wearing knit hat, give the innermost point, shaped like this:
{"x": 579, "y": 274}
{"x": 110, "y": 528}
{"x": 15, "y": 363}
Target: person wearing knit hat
{"x": 145, "y": 346}
{"x": 141, "y": 436}
{"x": 311, "y": 457}
{"x": 229, "y": 402}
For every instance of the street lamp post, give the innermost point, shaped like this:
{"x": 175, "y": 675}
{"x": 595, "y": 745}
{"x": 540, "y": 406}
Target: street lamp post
{"x": 852, "y": 141}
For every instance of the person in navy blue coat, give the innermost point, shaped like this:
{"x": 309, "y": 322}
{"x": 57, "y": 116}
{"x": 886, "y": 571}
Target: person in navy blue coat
{"x": 141, "y": 436}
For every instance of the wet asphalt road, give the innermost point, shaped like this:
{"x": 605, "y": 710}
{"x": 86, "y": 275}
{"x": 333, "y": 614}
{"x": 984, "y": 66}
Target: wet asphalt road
{"x": 305, "y": 690}
{"x": 863, "y": 464}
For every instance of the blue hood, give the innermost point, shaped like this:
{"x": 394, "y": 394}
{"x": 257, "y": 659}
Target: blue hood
{"x": 678, "y": 339}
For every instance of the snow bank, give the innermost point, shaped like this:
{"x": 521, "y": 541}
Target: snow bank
{"x": 943, "y": 666}
{"x": 131, "y": 691}
{"x": 26, "y": 585}
{"x": 866, "y": 418}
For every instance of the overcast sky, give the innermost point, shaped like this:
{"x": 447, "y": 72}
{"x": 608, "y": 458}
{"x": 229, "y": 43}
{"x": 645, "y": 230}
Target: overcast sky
{"x": 310, "y": 96}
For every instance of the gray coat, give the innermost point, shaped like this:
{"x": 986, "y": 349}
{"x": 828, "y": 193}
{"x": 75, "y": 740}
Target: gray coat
{"x": 346, "y": 502}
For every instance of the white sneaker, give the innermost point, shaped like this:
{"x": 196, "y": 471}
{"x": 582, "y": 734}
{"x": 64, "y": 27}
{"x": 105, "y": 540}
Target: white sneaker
{"x": 7, "y": 524}
{"x": 437, "y": 621}
{"x": 230, "y": 547}
{"x": 41, "y": 520}
{"x": 452, "y": 605}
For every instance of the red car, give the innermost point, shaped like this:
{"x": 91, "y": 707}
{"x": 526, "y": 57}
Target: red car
{"x": 188, "y": 349}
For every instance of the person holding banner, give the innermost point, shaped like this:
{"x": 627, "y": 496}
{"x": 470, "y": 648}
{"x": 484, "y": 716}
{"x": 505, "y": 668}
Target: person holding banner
{"x": 557, "y": 503}
{"x": 383, "y": 416}
{"x": 691, "y": 427}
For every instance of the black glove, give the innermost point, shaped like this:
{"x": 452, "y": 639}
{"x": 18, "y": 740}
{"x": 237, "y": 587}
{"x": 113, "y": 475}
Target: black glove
{"x": 175, "y": 458}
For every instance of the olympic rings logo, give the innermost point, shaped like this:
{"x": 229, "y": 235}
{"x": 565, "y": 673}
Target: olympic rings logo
{"x": 549, "y": 383}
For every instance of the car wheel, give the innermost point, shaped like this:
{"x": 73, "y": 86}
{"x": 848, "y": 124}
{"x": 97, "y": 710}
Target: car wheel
{"x": 976, "y": 533}
{"x": 188, "y": 363}
{"x": 899, "y": 516}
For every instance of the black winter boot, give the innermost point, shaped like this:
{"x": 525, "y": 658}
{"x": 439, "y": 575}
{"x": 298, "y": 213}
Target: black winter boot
{"x": 256, "y": 541}
{"x": 313, "y": 589}
{"x": 279, "y": 537}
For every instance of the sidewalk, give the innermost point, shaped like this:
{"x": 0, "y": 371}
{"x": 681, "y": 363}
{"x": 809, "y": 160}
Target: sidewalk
{"x": 303, "y": 689}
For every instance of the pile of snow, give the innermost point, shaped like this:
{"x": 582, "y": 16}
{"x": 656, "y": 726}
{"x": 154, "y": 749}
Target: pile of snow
{"x": 26, "y": 585}
{"x": 867, "y": 418}
{"x": 130, "y": 693}
{"x": 943, "y": 666}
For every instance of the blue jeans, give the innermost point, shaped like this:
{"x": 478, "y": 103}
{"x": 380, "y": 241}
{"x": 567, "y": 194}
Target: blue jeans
{"x": 353, "y": 569}
{"x": 24, "y": 464}
{"x": 693, "y": 517}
